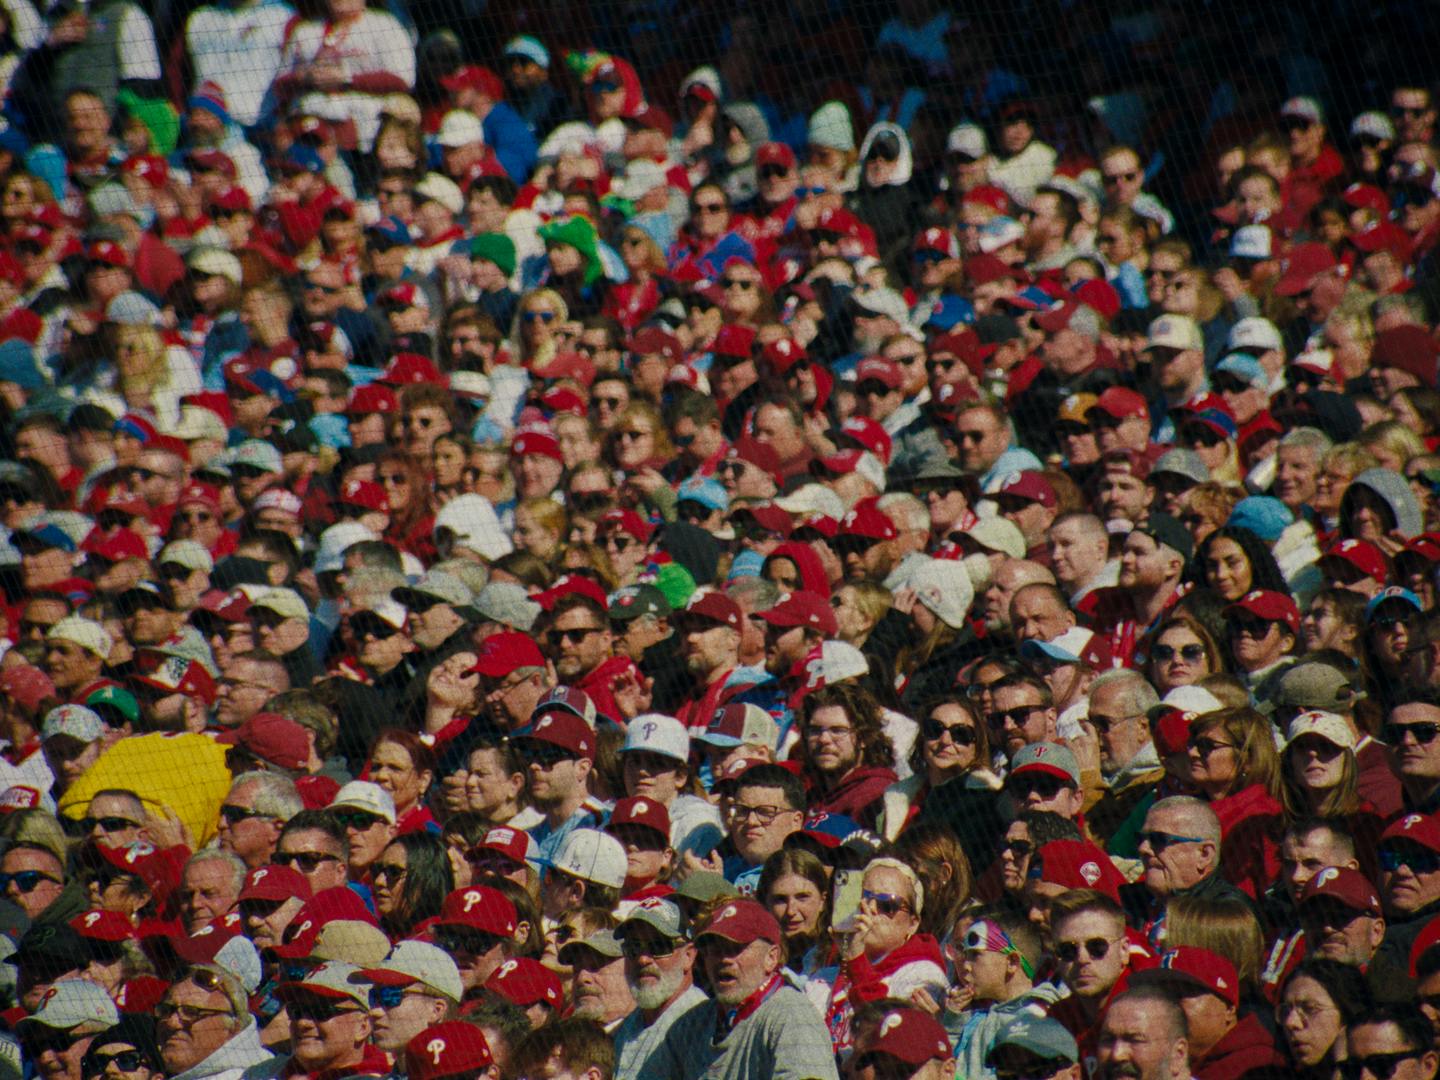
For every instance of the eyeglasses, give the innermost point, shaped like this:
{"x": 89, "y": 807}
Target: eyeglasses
{"x": 1159, "y": 841}
{"x": 833, "y": 734}
{"x": 1017, "y": 716}
{"x": 537, "y": 316}
{"x": 233, "y": 815}
{"x": 886, "y": 903}
{"x": 1423, "y": 732}
{"x": 738, "y": 283}
{"x": 315, "y": 286}
{"x": 372, "y": 626}
{"x": 1067, "y": 952}
{"x": 765, "y": 815}
{"x": 1255, "y": 628}
{"x": 195, "y": 517}
{"x": 392, "y": 479}
{"x": 1018, "y": 848}
{"x": 1307, "y": 1010}
{"x": 107, "y": 824}
{"x": 960, "y": 734}
{"x": 25, "y": 881}
{"x": 633, "y": 947}
{"x": 602, "y": 402}
{"x": 1191, "y": 654}
{"x": 124, "y": 1060}
{"x": 1103, "y": 723}
{"x": 388, "y": 872}
{"x": 1205, "y": 747}
{"x": 547, "y": 757}
{"x": 577, "y": 634}
{"x": 1380, "y": 1066}
{"x": 388, "y": 997}
{"x": 187, "y": 1014}
{"x": 1416, "y": 860}
{"x": 773, "y": 172}
{"x": 710, "y": 208}
{"x": 977, "y": 437}
{"x": 464, "y": 942}
{"x": 357, "y": 820}
{"x": 1047, "y": 787}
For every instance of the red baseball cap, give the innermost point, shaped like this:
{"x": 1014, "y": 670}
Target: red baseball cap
{"x": 273, "y": 882}
{"x": 515, "y": 844}
{"x": 109, "y": 253}
{"x": 1301, "y": 265}
{"x": 1076, "y": 864}
{"x": 734, "y": 341}
{"x": 1269, "y": 605}
{"x": 373, "y": 398}
{"x": 1423, "y": 829}
{"x": 988, "y": 195}
{"x": 273, "y": 738}
{"x": 536, "y": 440}
{"x": 116, "y": 545}
{"x": 564, "y": 730}
{"x": 767, "y": 516}
{"x": 743, "y": 921}
{"x": 1192, "y": 967}
{"x": 328, "y": 905}
{"x": 1121, "y": 402}
{"x": 1428, "y": 939}
{"x": 480, "y": 908}
{"x": 909, "y": 1035}
{"x": 1363, "y": 555}
{"x": 568, "y": 585}
{"x": 525, "y": 981}
{"x": 475, "y": 77}
{"x": 1031, "y": 485}
{"x": 775, "y": 153}
{"x": 628, "y": 522}
{"x": 881, "y": 370}
{"x": 1349, "y": 887}
{"x": 641, "y": 811}
{"x": 103, "y": 926}
{"x": 232, "y": 198}
{"x": 159, "y": 869}
{"x": 714, "y": 607}
{"x": 412, "y": 369}
{"x": 784, "y": 353}
{"x": 196, "y": 493}
{"x": 804, "y": 608}
{"x": 870, "y": 435}
{"x": 761, "y": 455}
{"x": 938, "y": 239}
{"x": 506, "y": 652}
{"x": 451, "y": 1048}
{"x": 176, "y": 675}
{"x": 867, "y": 520}
{"x": 652, "y": 341}
{"x": 365, "y": 494}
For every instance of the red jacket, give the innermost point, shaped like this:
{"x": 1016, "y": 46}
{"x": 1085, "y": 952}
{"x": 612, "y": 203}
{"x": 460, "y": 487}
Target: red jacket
{"x": 1252, "y": 824}
{"x": 1246, "y": 1047}
{"x": 856, "y": 796}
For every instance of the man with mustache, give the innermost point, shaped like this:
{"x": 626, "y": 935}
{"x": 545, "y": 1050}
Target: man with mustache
{"x": 1142, "y": 1037}
{"x": 670, "y": 1025}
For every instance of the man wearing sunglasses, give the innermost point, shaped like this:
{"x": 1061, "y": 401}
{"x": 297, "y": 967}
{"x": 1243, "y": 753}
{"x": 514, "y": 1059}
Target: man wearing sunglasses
{"x": 1410, "y": 736}
{"x": 558, "y": 749}
{"x": 1092, "y": 957}
{"x": 56, "y": 1037}
{"x": 417, "y": 985}
{"x": 1391, "y": 1042}
{"x": 1410, "y": 890}
{"x": 1045, "y": 776}
{"x": 1179, "y": 847}
{"x": 672, "y": 1017}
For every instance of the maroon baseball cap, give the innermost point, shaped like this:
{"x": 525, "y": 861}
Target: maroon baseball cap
{"x": 563, "y": 730}
{"x": 804, "y": 608}
{"x": 1191, "y": 968}
{"x": 480, "y": 908}
{"x": 909, "y": 1035}
{"x": 775, "y": 153}
{"x": 761, "y": 455}
{"x": 1339, "y": 883}
{"x": 734, "y": 341}
{"x": 1422, "y": 829}
{"x": 506, "y": 652}
{"x": 568, "y": 699}
{"x": 743, "y": 921}
{"x": 451, "y": 1048}
{"x": 514, "y": 844}
{"x": 714, "y": 607}
{"x": 103, "y": 926}
{"x": 273, "y": 738}
{"x": 1121, "y": 402}
{"x": 1269, "y": 605}
{"x": 1363, "y": 556}
{"x": 878, "y": 369}
{"x": 1301, "y": 265}
{"x": 1032, "y": 486}
{"x": 767, "y": 516}
{"x": 1076, "y": 864}
{"x": 641, "y": 811}
{"x": 272, "y": 882}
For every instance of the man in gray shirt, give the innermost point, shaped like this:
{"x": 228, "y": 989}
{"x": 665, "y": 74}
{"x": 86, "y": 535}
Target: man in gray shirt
{"x": 668, "y": 1034}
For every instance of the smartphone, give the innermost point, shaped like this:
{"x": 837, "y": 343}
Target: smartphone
{"x": 845, "y": 902}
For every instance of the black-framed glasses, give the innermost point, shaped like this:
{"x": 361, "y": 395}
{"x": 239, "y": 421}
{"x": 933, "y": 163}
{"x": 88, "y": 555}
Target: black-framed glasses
{"x": 960, "y": 734}
{"x": 1206, "y": 746}
{"x": 1380, "y": 1066}
{"x": 307, "y": 862}
{"x": 124, "y": 1060}
{"x": 357, "y": 820}
{"x": 998, "y": 718}
{"x": 388, "y": 872}
{"x": 1103, "y": 723}
{"x": 188, "y": 1015}
{"x": 462, "y": 941}
{"x": 577, "y": 634}
{"x": 319, "y": 1010}
{"x": 1423, "y": 732}
{"x": 765, "y": 815}
{"x": 544, "y": 755}
{"x": 25, "y": 881}
{"x": 633, "y": 946}
{"x": 1097, "y": 948}
{"x": 234, "y": 815}
{"x": 1044, "y": 785}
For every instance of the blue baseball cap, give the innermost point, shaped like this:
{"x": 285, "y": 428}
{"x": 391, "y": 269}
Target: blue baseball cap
{"x": 708, "y": 492}
{"x": 530, "y": 48}
{"x": 303, "y": 158}
{"x": 393, "y": 231}
{"x": 45, "y": 537}
{"x": 17, "y": 365}
{"x": 1393, "y": 592}
{"x": 1244, "y": 366}
{"x": 1264, "y": 515}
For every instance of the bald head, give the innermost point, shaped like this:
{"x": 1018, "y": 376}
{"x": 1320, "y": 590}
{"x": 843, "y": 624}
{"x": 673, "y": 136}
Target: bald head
{"x": 1010, "y": 577}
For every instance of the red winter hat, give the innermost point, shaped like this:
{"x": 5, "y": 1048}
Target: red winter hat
{"x": 451, "y": 1048}
{"x": 272, "y": 882}
{"x": 743, "y": 921}
{"x": 1269, "y": 605}
{"x": 1190, "y": 966}
{"x": 273, "y": 738}
{"x": 504, "y": 653}
{"x": 1076, "y": 864}
{"x": 804, "y": 608}
{"x": 525, "y": 981}
{"x": 1349, "y": 887}
{"x": 641, "y": 811}
{"x": 480, "y": 908}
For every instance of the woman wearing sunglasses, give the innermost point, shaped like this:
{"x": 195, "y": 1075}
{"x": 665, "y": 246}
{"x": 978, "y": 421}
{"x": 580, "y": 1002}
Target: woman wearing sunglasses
{"x": 410, "y": 880}
{"x": 1392, "y": 631}
{"x": 1184, "y": 652}
{"x": 951, "y": 782}
{"x": 533, "y": 339}
{"x": 1234, "y": 766}
{"x": 128, "y": 1051}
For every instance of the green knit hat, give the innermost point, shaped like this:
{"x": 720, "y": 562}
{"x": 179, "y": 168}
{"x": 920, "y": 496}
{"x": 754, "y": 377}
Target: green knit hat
{"x": 496, "y": 247}
{"x": 158, "y": 115}
{"x": 579, "y": 233}
{"x": 675, "y": 582}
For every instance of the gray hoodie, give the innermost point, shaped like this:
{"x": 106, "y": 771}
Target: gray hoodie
{"x": 1395, "y": 490}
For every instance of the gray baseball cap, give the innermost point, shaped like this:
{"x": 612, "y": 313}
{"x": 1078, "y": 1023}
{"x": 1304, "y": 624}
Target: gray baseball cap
{"x": 507, "y": 603}
{"x": 633, "y": 601}
{"x": 1184, "y": 463}
{"x": 437, "y": 585}
{"x": 659, "y": 914}
{"x": 1313, "y": 686}
{"x": 1040, "y": 1035}
{"x": 604, "y": 942}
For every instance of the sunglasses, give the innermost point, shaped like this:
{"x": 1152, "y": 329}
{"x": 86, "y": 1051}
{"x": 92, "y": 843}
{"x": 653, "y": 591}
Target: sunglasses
{"x": 1017, "y": 716}
{"x": 960, "y": 734}
{"x": 1130, "y": 177}
{"x": 234, "y": 815}
{"x": 1380, "y": 1066}
{"x": 537, "y": 316}
{"x": 547, "y": 757}
{"x": 1067, "y": 952}
{"x": 1103, "y": 723}
{"x": 358, "y": 820}
{"x": 1191, "y": 654}
{"x": 773, "y": 172}
{"x": 1159, "y": 841}
{"x": 1418, "y": 860}
{"x": 886, "y": 147}
{"x": 26, "y": 881}
{"x": 599, "y": 402}
{"x": 1047, "y": 787}
{"x": 124, "y": 1060}
{"x": 307, "y": 862}
{"x": 465, "y": 942}
{"x": 107, "y": 824}
{"x": 928, "y": 256}
{"x": 57, "y": 1041}
{"x": 1205, "y": 746}
{"x": 737, "y": 283}
{"x": 887, "y": 904}
{"x": 1423, "y": 732}
{"x": 1255, "y": 628}
{"x": 1018, "y": 848}
{"x": 633, "y": 947}
{"x": 373, "y": 627}
{"x": 556, "y": 638}
{"x": 318, "y": 1010}
{"x": 388, "y": 872}
{"x": 387, "y": 997}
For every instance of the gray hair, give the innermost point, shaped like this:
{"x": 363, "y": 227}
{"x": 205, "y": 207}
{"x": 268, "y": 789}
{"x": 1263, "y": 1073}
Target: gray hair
{"x": 1139, "y": 696}
{"x": 229, "y": 859}
{"x": 1197, "y": 812}
{"x": 905, "y": 510}
{"x": 1310, "y": 438}
{"x": 275, "y": 795}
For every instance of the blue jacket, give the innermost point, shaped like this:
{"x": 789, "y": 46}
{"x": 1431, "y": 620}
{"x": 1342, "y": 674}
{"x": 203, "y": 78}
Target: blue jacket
{"x": 512, "y": 141}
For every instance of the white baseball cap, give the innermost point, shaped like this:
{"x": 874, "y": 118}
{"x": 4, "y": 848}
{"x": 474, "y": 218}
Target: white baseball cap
{"x": 592, "y": 855}
{"x": 363, "y": 795}
{"x": 418, "y": 961}
{"x": 659, "y": 734}
{"x": 1254, "y": 335}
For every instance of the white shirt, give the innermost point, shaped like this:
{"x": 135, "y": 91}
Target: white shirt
{"x": 239, "y": 49}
